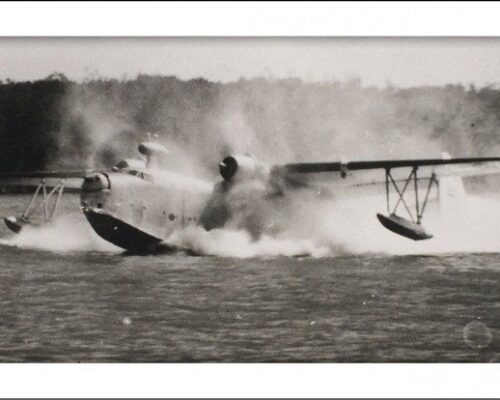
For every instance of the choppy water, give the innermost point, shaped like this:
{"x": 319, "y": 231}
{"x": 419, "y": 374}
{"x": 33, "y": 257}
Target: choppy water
{"x": 97, "y": 306}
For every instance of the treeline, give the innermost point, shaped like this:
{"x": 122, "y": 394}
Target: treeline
{"x": 57, "y": 123}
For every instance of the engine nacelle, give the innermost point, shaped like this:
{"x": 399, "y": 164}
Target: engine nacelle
{"x": 155, "y": 154}
{"x": 240, "y": 168}
{"x": 152, "y": 149}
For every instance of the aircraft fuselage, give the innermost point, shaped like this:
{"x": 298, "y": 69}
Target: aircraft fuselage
{"x": 138, "y": 211}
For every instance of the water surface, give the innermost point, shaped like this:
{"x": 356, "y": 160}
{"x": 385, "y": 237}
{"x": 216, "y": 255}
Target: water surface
{"x": 107, "y": 306}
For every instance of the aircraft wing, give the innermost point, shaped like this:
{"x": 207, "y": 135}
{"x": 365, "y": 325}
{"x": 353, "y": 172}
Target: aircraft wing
{"x": 77, "y": 173}
{"x": 310, "y": 168}
{"x": 399, "y": 176}
{"x": 366, "y": 173}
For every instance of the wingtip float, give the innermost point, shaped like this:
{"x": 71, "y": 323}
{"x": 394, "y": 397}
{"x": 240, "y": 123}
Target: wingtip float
{"x": 403, "y": 227}
{"x": 15, "y": 224}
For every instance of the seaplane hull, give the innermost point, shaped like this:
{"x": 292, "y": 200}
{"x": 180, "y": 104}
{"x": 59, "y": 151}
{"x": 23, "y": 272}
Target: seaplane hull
{"x": 138, "y": 212}
{"x": 120, "y": 233}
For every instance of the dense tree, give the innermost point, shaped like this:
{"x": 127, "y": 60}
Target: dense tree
{"x": 57, "y": 123}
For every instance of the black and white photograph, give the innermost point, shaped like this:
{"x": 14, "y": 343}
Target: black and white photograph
{"x": 249, "y": 199}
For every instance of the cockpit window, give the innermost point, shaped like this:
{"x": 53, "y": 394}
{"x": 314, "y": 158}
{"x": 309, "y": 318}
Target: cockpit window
{"x": 125, "y": 167}
{"x": 141, "y": 174}
{"x": 132, "y": 172}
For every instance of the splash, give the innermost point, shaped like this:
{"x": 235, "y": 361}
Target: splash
{"x": 323, "y": 229}
{"x": 349, "y": 227}
{"x": 239, "y": 244}
{"x": 472, "y": 227}
{"x": 67, "y": 233}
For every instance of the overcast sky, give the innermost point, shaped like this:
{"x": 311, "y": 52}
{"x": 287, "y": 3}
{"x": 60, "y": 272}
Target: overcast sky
{"x": 403, "y": 62}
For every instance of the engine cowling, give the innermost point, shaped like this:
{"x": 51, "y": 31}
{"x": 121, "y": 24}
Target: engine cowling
{"x": 150, "y": 149}
{"x": 155, "y": 153}
{"x": 240, "y": 168}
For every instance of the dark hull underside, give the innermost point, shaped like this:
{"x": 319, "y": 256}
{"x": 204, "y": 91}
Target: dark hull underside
{"x": 121, "y": 234}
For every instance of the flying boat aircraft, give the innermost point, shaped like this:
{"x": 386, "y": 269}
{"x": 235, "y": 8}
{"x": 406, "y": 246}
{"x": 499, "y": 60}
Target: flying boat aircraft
{"x": 137, "y": 204}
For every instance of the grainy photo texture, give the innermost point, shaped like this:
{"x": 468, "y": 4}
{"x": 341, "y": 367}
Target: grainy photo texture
{"x": 249, "y": 199}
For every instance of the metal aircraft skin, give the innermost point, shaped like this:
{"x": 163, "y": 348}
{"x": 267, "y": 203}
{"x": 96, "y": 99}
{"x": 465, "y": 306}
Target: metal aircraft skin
{"x": 137, "y": 205}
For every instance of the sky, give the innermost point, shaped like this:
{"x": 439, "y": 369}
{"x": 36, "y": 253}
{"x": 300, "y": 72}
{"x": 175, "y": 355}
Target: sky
{"x": 402, "y": 62}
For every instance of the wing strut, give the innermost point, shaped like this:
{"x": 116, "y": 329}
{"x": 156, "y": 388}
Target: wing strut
{"x": 412, "y": 228}
{"x": 49, "y": 210}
